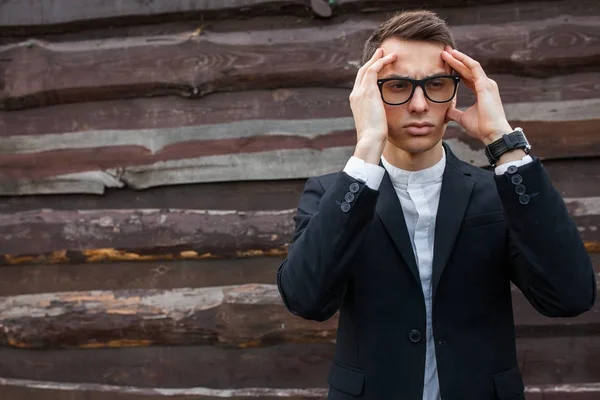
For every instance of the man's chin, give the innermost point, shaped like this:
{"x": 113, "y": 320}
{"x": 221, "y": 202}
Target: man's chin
{"x": 416, "y": 144}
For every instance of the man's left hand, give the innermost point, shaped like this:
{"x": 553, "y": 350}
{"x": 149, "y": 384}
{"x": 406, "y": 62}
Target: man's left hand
{"x": 485, "y": 119}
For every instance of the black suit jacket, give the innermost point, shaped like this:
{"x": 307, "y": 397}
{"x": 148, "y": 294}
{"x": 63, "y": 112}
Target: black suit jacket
{"x": 359, "y": 260}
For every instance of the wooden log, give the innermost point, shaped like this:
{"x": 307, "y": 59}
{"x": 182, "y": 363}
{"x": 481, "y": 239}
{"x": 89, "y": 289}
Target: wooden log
{"x": 98, "y": 235}
{"x": 191, "y": 233}
{"x": 57, "y": 15}
{"x": 21, "y": 389}
{"x": 571, "y": 177}
{"x": 209, "y": 63}
{"x": 280, "y": 104}
{"x": 233, "y": 316}
{"x": 128, "y": 275}
{"x": 88, "y": 162}
{"x": 125, "y": 275}
{"x": 563, "y": 362}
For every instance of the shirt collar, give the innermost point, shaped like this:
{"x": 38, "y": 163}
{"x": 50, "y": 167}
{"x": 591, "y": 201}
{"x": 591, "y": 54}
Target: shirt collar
{"x": 432, "y": 174}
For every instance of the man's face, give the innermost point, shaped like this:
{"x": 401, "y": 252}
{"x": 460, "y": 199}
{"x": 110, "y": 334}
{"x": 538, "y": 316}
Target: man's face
{"x": 415, "y": 60}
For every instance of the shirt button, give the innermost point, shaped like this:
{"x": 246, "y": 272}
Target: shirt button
{"x": 520, "y": 189}
{"x": 349, "y": 197}
{"x": 516, "y": 179}
{"x": 524, "y": 199}
{"x": 354, "y": 187}
{"x": 512, "y": 169}
{"x": 345, "y": 207}
{"x": 414, "y": 336}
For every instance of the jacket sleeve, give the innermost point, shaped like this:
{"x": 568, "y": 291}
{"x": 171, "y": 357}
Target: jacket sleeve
{"x": 549, "y": 262}
{"x": 330, "y": 227}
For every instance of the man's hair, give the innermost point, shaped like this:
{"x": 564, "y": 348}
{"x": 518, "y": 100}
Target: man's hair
{"x": 420, "y": 25}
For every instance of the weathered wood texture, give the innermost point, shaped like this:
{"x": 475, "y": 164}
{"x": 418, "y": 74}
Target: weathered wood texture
{"x": 127, "y": 275}
{"x": 20, "y": 389}
{"x": 59, "y": 14}
{"x": 213, "y": 62}
{"x": 252, "y": 150}
{"x": 571, "y": 177}
{"x": 231, "y": 316}
{"x": 98, "y": 235}
{"x": 560, "y": 360}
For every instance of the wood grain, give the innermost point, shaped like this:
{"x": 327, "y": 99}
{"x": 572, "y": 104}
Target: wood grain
{"x": 560, "y": 361}
{"x": 571, "y": 177}
{"x": 279, "y": 104}
{"x": 199, "y": 65}
{"x": 250, "y": 315}
{"x": 97, "y": 235}
{"x": 58, "y": 13}
{"x": 21, "y": 389}
{"x": 90, "y": 162}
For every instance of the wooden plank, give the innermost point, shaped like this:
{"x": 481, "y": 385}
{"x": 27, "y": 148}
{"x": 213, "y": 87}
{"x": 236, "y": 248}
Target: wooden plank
{"x": 62, "y": 12}
{"x": 21, "y": 389}
{"x": 127, "y": 275}
{"x": 559, "y": 361}
{"x": 188, "y": 234}
{"x": 98, "y": 235}
{"x": 123, "y": 275}
{"x": 88, "y": 162}
{"x": 242, "y": 316}
{"x": 279, "y": 104}
{"x": 303, "y": 57}
{"x": 571, "y": 177}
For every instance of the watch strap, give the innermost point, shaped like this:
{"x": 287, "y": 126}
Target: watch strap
{"x": 508, "y": 142}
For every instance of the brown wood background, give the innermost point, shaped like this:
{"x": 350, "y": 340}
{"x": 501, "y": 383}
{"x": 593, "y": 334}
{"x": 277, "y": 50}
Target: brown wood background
{"x": 151, "y": 157}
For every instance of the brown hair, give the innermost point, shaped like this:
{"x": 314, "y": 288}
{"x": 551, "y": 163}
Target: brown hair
{"x": 420, "y": 25}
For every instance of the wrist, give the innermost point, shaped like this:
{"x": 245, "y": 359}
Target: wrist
{"x": 370, "y": 149}
{"x": 497, "y": 135}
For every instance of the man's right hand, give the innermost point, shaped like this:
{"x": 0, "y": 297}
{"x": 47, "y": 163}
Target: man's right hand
{"x": 368, "y": 110}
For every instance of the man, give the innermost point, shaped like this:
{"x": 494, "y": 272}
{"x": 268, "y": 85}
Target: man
{"x": 417, "y": 249}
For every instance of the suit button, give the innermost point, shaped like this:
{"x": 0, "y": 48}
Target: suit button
{"x": 512, "y": 169}
{"x": 516, "y": 179}
{"x": 345, "y": 207}
{"x": 520, "y": 189}
{"x": 524, "y": 199}
{"x": 354, "y": 188}
{"x": 349, "y": 197}
{"x": 414, "y": 336}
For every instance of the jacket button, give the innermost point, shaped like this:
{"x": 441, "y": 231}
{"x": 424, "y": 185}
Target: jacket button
{"x": 512, "y": 169}
{"x": 516, "y": 179}
{"x": 354, "y": 187}
{"x": 524, "y": 199}
{"x": 345, "y": 207}
{"x": 349, "y": 197}
{"x": 520, "y": 189}
{"x": 414, "y": 336}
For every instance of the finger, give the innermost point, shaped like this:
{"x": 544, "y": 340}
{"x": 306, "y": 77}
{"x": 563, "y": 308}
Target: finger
{"x": 363, "y": 69}
{"x": 454, "y": 114}
{"x": 378, "y": 65}
{"x": 458, "y": 66}
{"x": 473, "y": 65}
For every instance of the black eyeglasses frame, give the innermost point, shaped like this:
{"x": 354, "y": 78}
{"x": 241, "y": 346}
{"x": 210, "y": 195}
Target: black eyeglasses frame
{"x": 420, "y": 83}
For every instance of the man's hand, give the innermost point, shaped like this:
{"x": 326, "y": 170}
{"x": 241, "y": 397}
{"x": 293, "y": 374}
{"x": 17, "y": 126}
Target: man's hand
{"x": 368, "y": 110}
{"x": 485, "y": 119}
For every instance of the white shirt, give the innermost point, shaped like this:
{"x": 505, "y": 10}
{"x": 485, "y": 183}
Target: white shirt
{"x": 419, "y": 196}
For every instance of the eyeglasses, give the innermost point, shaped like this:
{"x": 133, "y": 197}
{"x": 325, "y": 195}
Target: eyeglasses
{"x": 438, "y": 89}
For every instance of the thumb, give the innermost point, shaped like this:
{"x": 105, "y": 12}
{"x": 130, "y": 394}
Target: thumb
{"x": 454, "y": 114}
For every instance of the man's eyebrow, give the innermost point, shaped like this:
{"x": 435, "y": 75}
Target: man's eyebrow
{"x": 396, "y": 76}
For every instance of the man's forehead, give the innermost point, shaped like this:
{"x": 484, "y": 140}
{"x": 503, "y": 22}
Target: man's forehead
{"x": 414, "y": 59}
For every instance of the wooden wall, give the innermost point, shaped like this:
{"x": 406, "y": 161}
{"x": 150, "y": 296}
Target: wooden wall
{"x": 151, "y": 157}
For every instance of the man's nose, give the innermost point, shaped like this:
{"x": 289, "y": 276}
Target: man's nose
{"x": 418, "y": 103}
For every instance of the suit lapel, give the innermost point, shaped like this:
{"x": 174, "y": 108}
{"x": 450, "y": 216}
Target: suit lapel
{"x": 457, "y": 186}
{"x": 390, "y": 212}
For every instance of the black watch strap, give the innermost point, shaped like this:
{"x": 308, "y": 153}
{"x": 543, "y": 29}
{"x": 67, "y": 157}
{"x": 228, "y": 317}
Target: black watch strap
{"x": 508, "y": 142}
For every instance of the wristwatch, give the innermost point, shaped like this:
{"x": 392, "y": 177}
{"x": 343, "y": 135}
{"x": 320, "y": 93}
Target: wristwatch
{"x": 508, "y": 142}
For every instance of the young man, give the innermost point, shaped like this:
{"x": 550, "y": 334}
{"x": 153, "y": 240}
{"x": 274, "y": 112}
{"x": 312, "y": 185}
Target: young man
{"x": 417, "y": 249}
